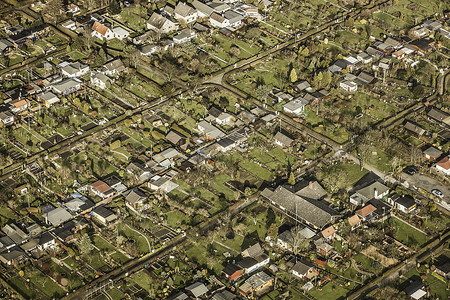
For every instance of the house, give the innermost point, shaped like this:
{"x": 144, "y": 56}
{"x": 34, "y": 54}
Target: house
{"x": 364, "y": 57}
{"x": 285, "y": 240}
{"x": 282, "y": 140}
{"x": 57, "y": 216}
{"x": 296, "y": 106}
{"x": 354, "y": 221}
{"x": 234, "y": 18}
{"x": 6, "y": 243}
{"x": 281, "y": 96}
{"x": 19, "y": 105}
{"x": 14, "y": 256}
{"x": 161, "y": 24}
{"x": 100, "y": 31}
{"x": 34, "y": 230}
{"x": 416, "y": 129}
{"x": 424, "y": 45}
{"x": 432, "y": 153}
{"x": 250, "y": 10}
{"x": 226, "y": 144}
{"x": 179, "y": 296}
{"x": 99, "y": 80}
{"x": 135, "y": 199}
{"x": 15, "y": 233}
{"x": 120, "y": 33}
{"x": 76, "y": 69}
{"x": 301, "y": 86}
{"x": 254, "y": 258}
{"x": 67, "y": 86}
{"x": 104, "y": 215}
{"x": 444, "y": 165}
{"x": 404, "y": 203}
{"x": 175, "y": 138}
{"x": 184, "y": 36}
{"x": 416, "y": 290}
{"x": 348, "y": 86}
{"x": 163, "y": 184}
{"x": 143, "y": 38}
{"x": 374, "y": 190}
{"x": 73, "y": 9}
{"x": 399, "y": 54}
{"x": 210, "y": 132}
{"x": 203, "y": 10}
{"x": 444, "y": 268}
{"x": 5, "y": 45}
{"x": 439, "y": 117}
{"x": 256, "y": 284}
{"x": 185, "y": 13}
{"x": 223, "y": 295}
{"x": 46, "y": 241}
{"x": 101, "y": 189}
{"x": 149, "y": 49}
{"x": 232, "y": 271}
{"x": 7, "y": 117}
{"x": 48, "y": 98}
{"x": 140, "y": 171}
{"x": 329, "y": 233}
{"x": 317, "y": 214}
{"x": 304, "y": 270}
{"x": 323, "y": 247}
{"x": 310, "y": 190}
{"x": 197, "y": 290}
{"x": 219, "y": 6}
{"x": 365, "y": 213}
{"x": 116, "y": 184}
{"x": 217, "y": 20}
{"x": 224, "y": 119}
{"x": 112, "y": 67}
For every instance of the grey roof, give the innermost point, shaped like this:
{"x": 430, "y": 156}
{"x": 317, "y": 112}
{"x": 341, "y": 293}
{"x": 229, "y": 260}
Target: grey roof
{"x": 156, "y": 20}
{"x": 197, "y": 289}
{"x": 58, "y": 216}
{"x": 115, "y": 64}
{"x": 438, "y": 115}
{"x": 433, "y": 152}
{"x": 286, "y": 236}
{"x": 317, "y": 213}
{"x": 232, "y": 16}
{"x": 224, "y": 295}
{"x": 309, "y": 190}
{"x": 184, "y": 10}
{"x": 302, "y": 85}
{"x": 211, "y": 130}
{"x": 302, "y": 266}
{"x": 136, "y": 195}
{"x": 258, "y": 279}
{"x": 48, "y": 96}
{"x": 368, "y": 192}
{"x": 296, "y": 104}
{"x": 4, "y": 43}
{"x": 203, "y": 8}
{"x": 103, "y": 212}
{"x": 179, "y": 296}
{"x": 65, "y": 84}
{"x": 253, "y": 251}
{"x": 283, "y": 139}
{"x": 414, "y": 128}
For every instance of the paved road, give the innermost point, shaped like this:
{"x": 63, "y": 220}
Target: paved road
{"x": 427, "y": 183}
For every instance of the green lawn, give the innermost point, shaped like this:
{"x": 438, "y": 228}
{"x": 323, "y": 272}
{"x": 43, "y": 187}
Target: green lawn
{"x": 330, "y": 291}
{"x": 94, "y": 260}
{"x": 282, "y": 156}
{"x": 142, "y": 279}
{"x": 141, "y": 242}
{"x": 46, "y": 285}
{"x": 438, "y": 289}
{"x": 119, "y": 257}
{"x": 406, "y": 234}
{"x": 176, "y": 218}
{"x": 218, "y": 184}
{"x": 115, "y": 294}
{"x": 102, "y": 244}
{"x": 255, "y": 169}
{"x": 20, "y": 286}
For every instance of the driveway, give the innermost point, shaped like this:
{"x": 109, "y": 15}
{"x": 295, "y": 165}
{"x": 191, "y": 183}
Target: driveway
{"x": 427, "y": 183}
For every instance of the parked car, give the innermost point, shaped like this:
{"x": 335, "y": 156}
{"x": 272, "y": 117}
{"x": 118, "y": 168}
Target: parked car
{"x": 411, "y": 170}
{"x": 437, "y": 193}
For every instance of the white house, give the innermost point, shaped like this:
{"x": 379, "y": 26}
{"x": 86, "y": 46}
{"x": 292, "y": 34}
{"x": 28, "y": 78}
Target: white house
{"x": 46, "y": 241}
{"x": 224, "y": 118}
{"x": 304, "y": 270}
{"x": 444, "y": 165}
{"x": 161, "y": 24}
{"x": 349, "y": 86}
{"x": 364, "y": 57}
{"x": 7, "y": 117}
{"x": 234, "y": 18}
{"x": 104, "y": 215}
{"x": 67, "y": 86}
{"x": 48, "y": 98}
{"x": 101, "y": 31}
{"x": 149, "y": 49}
{"x": 184, "y": 36}
{"x": 217, "y": 20}
{"x": 120, "y": 33}
{"x": 203, "y": 10}
{"x": 99, "y": 80}
{"x": 375, "y": 190}
{"x": 76, "y": 69}
{"x": 185, "y": 13}
{"x": 296, "y": 106}
{"x": 69, "y": 24}
{"x": 282, "y": 140}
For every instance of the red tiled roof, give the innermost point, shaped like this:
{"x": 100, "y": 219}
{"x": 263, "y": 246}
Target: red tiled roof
{"x": 100, "y": 28}
{"x": 328, "y": 231}
{"x": 354, "y": 220}
{"x": 444, "y": 163}
{"x": 100, "y": 186}
{"x": 366, "y": 210}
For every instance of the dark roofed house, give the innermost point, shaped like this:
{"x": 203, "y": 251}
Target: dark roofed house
{"x": 416, "y": 290}
{"x": 424, "y": 45}
{"x": 403, "y": 203}
{"x": 304, "y": 270}
{"x": 415, "y": 128}
{"x": 197, "y": 289}
{"x": 440, "y": 117}
{"x": 232, "y": 271}
{"x": 444, "y": 269}
{"x": 223, "y": 295}
{"x": 432, "y": 153}
{"x": 256, "y": 284}
{"x": 318, "y": 214}
{"x": 15, "y": 256}
{"x": 104, "y": 215}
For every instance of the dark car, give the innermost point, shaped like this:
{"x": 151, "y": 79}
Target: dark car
{"x": 411, "y": 170}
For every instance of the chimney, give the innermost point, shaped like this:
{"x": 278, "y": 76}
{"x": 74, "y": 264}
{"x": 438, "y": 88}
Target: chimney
{"x": 310, "y": 185}
{"x": 375, "y": 193}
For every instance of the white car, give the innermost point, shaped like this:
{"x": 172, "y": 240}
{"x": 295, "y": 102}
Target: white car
{"x": 437, "y": 193}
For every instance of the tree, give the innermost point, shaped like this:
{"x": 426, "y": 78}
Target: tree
{"x": 418, "y": 91}
{"x": 114, "y": 7}
{"x": 54, "y": 9}
{"x": 115, "y": 144}
{"x": 261, "y": 92}
{"x": 327, "y": 78}
{"x": 86, "y": 245}
{"x": 291, "y": 179}
{"x": 127, "y": 122}
{"x": 293, "y": 76}
{"x": 305, "y": 52}
{"x": 349, "y": 22}
{"x": 235, "y": 51}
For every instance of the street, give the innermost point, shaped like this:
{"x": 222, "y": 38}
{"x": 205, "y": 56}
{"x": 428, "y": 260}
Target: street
{"x": 422, "y": 181}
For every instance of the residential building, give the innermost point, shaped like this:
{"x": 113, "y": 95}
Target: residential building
{"x": 364, "y": 57}
{"x": 15, "y": 233}
{"x": 366, "y": 213}
{"x": 232, "y": 271}
{"x": 19, "y": 105}
{"x": 217, "y": 20}
{"x": 197, "y": 290}
{"x": 404, "y": 203}
{"x": 366, "y": 192}
{"x": 76, "y": 69}
{"x": 416, "y": 290}
{"x": 256, "y": 284}
{"x": 444, "y": 165}
{"x": 315, "y": 213}
{"x": 161, "y": 24}
{"x": 443, "y": 269}
{"x": 15, "y": 256}
{"x": 439, "y": 117}
{"x": 210, "y": 132}
{"x": 113, "y": 67}
{"x": 413, "y": 128}
{"x": 234, "y": 18}
{"x": 223, "y": 295}
{"x": 67, "y": 86}
{"x": 104, "y": 215}
{"x": 203, "y": 10}
{"x": 140, "y": 171}
{"x": 329, "y": 233}
{"x": 432, "y": 153}
{"x": 120, "y": 33}
{"x": 101, "y": 189}
{"x": 184, "y": 36}
{"x": 135, "y": 199}
{"x": 304, "y": 270}
{"x": 296, "y": 106}
{"x": 99, "y": 80}
{"x": 282, "y": 140}
{"x": 57, "y": 216}
{"x": 48, "y": 98}
{"x": 100, "y": 31}
{"x": 7, "y": 117}
{"x": 185, "y": 13}
{"x": 348, "y": 86}
{"x": 149, "y": 49}
{"x": 354, "y": 221}
{"x": 301, "y": 86}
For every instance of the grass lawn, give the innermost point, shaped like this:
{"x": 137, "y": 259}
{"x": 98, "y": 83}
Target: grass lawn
{"x": 46, "y": 285}
{"x": 364, "y": 262}
{"x": 255, "y": 169}
{"x": 115, "y": 294}
{"x": 102, "y": 244}
{"x": 71, "y": 262}
{"x": 119, "y": 257}
{"x": 141, "y": 242}
{"x": 282, "y": 156}
{"x": 218, "y": 184}
{"x": 142, "y": 279}
{"x": 406, "y": 234}
{"x": 176, "y": 218}
{"x": 22, "y": 288}
{"x": 330, "y": 291}
{"x": 199, "y": 254}
{"x": 94, "y": 260}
